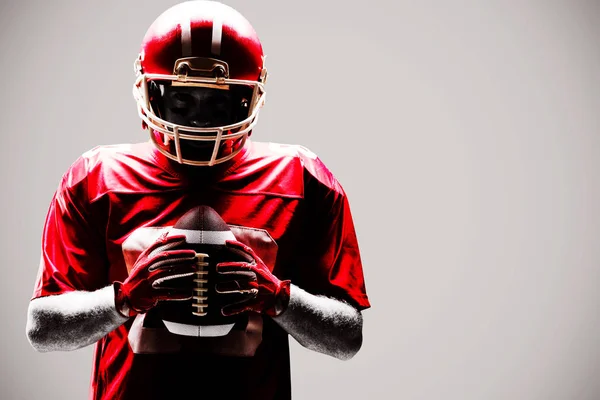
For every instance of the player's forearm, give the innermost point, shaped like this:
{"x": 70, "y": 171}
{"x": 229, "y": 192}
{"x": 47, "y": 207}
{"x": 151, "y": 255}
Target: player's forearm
{"x": 322, "y": 324}
{"x": 72, "y": 320}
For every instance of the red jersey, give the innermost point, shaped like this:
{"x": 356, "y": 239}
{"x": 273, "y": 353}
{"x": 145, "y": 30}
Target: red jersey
{"x": 279, "y": 199}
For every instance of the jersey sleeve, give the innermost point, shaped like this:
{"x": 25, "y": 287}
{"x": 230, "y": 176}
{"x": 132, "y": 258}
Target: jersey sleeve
{"x": 332, "y": 264}
{"x": 72, "y": 255}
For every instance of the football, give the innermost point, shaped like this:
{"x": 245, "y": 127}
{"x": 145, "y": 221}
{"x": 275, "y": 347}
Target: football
{"x": 206, "y": 233}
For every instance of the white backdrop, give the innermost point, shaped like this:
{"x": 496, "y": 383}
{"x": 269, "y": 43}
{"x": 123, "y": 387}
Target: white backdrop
{"x": 466, "y": 134}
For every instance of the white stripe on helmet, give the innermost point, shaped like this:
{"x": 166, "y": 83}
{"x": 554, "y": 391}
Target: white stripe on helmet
{"x": 217, "y": 35}
{"x": 186, "y": 37}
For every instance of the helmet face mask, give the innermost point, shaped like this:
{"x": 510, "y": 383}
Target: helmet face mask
{"x": 189, "y": 107}
{"x": 209, "y": 54}
{"x": 199, "y": 107}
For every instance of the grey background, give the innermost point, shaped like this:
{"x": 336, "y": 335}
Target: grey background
{"x": 467, "y": 137}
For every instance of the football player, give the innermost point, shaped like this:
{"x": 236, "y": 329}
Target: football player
{"x": 106, "y": 255}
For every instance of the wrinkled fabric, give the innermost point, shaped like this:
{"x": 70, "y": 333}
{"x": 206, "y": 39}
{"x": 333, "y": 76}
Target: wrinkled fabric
{"x": 303, "y": 231}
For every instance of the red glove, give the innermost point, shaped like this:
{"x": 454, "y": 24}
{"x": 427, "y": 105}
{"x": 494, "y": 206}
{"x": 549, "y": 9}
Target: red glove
{"x": 265, "y": 292}
{"x": 148, "y": 280}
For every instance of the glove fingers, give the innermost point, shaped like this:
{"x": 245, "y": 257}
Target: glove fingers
{"x": 173, "y": 280}
{"x": 237, "y": 286}
{"x": 238, "y": 275}
{"x": 173, "y": 257}
{"x": 233, "y": 266}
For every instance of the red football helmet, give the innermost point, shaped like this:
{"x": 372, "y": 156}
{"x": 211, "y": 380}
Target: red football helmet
{"x": 205, "y": 44}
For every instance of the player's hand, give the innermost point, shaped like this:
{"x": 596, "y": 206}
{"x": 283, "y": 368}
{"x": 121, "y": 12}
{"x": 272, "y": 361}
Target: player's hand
{"x": 149, "y": 279}
{"x": 263, "y": 291}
